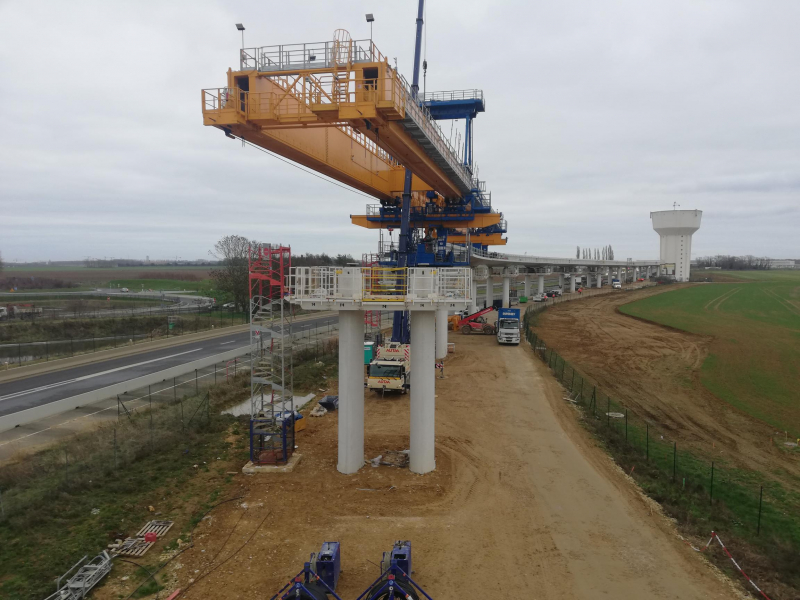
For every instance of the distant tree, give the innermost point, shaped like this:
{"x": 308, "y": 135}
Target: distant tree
{"x": 1, "y": 263}
{"x": 232, "y": 277}
{"x": 578, "y": 252}
{"x": 610, "y": 252}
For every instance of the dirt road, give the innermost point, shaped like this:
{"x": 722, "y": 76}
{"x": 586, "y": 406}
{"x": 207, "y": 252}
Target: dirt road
{"x": 655, "y": 371}
{"x": 522, "y": 505}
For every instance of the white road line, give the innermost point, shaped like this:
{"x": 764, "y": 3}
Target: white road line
{"x": 231, "y": 342}
{"x": 93, "y": 375}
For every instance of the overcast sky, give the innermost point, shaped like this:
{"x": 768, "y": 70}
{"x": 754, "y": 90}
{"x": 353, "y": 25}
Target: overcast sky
{"x": 597, "y": 112}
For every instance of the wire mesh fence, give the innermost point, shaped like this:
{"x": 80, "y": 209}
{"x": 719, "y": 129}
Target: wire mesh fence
{"x": 708, "y": 494}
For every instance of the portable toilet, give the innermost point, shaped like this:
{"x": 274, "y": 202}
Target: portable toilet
{"x": 369, "y": 352}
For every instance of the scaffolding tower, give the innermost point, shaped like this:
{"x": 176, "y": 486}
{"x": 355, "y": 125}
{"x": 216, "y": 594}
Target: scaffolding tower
{"x": 271, "y": 375}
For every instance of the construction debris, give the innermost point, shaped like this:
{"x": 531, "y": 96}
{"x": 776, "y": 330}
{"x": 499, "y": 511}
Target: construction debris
{"x": 393, "y": 458}
{"x": 142, "y": 541}
{"x": 85, "y": 578}
{"x": 318, "y": 411}
{"x": 330, "y": 402}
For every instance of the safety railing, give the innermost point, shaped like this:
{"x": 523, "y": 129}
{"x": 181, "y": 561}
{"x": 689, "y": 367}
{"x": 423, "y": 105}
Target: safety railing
{"x": 524, "y": 258}
{"x": 380, "y": 284}
{"x": 216, "y": 100}
{"x": 313, "y": 55}
{"x": 452, "y": 95}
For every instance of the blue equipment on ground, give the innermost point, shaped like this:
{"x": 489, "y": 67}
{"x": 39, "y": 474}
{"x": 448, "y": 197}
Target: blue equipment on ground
{"x": 318, "y": 577}
{"x": 395, "y": 581}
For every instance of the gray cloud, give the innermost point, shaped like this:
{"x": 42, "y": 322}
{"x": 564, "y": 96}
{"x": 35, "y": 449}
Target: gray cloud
{"x": 597, "y": 114}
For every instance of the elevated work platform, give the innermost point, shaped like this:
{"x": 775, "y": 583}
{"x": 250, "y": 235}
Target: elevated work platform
{"x": 344, "y": 82}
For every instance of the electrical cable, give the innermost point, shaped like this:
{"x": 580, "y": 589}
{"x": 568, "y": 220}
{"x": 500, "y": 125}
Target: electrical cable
{"x": 207, "y": 573}
{"x": 288, "y": 162}
{"x": 191, "y": 544}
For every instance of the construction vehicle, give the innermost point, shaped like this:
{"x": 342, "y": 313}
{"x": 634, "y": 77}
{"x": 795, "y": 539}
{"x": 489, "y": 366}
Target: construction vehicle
{"x": 508, "y": 326}
{"x": 318, "y": 577}
{"x": 476, "y": 323}
{"x": 391, "y": 368}
{"x": 3, "y": 313}
{"x": 24, "y": 311}
{"x": 615, "y": 283}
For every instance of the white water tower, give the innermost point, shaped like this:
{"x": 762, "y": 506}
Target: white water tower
{"x": 676, "y": 228}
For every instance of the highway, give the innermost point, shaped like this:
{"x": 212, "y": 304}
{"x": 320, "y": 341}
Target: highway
{"x": 48, "y": 387}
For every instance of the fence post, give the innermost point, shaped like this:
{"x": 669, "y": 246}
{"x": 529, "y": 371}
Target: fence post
{"x": 19, "y": 354}
{"x": 608, "y": 412}
{"x": 626, "y": 425}
{"x": 215, "y": 373}
{"x": 760, "y": 499}
{"x": 195, "y": 381}
{"x": 94, "y": 347}
{"x": 46, "y": 352}
{"x": 572, "y": 382}
{"x": 150, "y": 398}
{"x": 674, "y": 460}
{"x": 115, "y": 448}
{"x": 711, "y": 490}
{"x": 647, "y": 434}
{"x": 174, "y": 389}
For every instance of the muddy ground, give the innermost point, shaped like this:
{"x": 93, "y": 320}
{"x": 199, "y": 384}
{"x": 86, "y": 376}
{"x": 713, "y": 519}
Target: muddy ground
{"x": 522, "y": 504}
{"x": 654, "y": 370}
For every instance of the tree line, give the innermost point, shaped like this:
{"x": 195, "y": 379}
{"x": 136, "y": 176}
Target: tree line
{"x": 604, "y": 253}
{"x": 734, "y": 263}
{"x": 232, "y": 276}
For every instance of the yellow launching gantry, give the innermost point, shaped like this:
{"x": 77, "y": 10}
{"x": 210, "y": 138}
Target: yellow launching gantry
{"x": 340, "y": 109}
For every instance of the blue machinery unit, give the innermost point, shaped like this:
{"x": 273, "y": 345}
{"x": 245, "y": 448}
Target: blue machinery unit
{"x": 320, "y": 575}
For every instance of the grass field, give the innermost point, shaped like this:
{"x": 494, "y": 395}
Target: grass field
{"x": 754, "y": 357}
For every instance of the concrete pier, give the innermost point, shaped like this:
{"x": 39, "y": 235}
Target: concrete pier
{"x": 423, "y": 387}
{"x": 441, "y": 333}
{"x": 541, "y": 284}
{"x": 351, "y": 391}
{"x": 506, "y": 291}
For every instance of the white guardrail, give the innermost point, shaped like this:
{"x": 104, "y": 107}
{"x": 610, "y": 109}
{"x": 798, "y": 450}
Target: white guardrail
{"x": 381, "y": 284}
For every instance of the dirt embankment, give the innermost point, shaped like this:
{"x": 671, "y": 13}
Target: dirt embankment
{"x": 521, "y": 504}
{"x": 654, "y": 370}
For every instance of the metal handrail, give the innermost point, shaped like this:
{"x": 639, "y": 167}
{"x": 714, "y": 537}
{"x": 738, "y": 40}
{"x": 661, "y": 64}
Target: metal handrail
{"x": 311, "y": 55}
{"x": 452, "y": 95}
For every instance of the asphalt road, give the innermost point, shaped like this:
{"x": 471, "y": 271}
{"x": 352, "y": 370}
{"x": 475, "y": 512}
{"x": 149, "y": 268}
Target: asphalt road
{"x": 42, "y": 389}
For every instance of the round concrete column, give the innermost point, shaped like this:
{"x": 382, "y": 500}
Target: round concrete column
{"x": 561, "y": 281}
{"x": 351, "y": 391}
{"x": 541, "y": 284}
{"x": 599, "y": 280}
{"x": 473, "y": 290}
{"x": 572, "y": 282}
{"x": 527, "y": 290}
{"x": 506, "y": 292}
{"x": 441, "y": 333}
{"x": 422, "y": 440}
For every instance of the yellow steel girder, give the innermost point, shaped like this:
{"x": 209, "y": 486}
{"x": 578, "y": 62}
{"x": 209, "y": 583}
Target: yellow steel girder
{"x": 478, "y": 221}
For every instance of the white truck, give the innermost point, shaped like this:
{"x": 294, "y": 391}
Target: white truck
{"x": 390, "y": 370}
{"x": 3, "y": 313}
{"x": 508, "y": 326}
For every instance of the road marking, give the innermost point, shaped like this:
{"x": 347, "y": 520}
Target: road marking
{"x": 93, "y": 375}
{"x": 231, "y": 342}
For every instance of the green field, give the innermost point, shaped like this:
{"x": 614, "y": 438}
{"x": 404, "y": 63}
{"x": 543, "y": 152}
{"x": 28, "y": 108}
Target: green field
{"x": 754, "y": 356}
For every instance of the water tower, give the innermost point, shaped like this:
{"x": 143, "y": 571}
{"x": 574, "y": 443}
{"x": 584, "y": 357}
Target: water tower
{"x": 676, "y": 228}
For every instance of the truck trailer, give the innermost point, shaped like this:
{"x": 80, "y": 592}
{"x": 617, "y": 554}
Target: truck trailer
{"x": 508, "y": 326}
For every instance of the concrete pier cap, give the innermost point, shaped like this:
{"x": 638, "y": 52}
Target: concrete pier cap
{"x": 423, "y": 291}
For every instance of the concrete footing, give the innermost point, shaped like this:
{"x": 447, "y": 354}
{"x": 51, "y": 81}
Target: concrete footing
{"x": 294, "y": 460}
